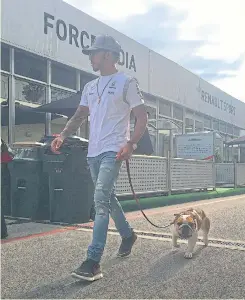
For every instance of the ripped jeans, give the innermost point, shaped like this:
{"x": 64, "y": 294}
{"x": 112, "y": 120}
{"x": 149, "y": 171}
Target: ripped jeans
{"x": 104, "y": 172}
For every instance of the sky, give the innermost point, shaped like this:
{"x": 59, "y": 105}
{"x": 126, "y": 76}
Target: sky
{"x": 204, "y": 36}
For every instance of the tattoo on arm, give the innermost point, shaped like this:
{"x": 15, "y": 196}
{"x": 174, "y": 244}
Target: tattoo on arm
{"x": 75, "y": 122}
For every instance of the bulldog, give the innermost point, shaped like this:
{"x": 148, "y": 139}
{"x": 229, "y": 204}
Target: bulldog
{"x": 186, "y": 225}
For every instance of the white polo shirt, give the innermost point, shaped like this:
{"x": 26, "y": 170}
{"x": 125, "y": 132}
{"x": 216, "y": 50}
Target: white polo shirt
{"x": 109, "y": 117}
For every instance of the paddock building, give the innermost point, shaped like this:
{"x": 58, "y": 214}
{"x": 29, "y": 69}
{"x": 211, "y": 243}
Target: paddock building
{"x": 42, "y": 61}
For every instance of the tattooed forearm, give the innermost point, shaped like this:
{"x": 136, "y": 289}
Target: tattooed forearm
{"x": 75, "y": 122}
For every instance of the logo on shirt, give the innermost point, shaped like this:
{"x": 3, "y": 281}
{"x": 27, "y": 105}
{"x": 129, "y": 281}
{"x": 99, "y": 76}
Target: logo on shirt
{"x": 113, "y": 85}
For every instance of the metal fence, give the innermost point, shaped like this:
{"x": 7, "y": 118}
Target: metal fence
{"x": 230, "y": 174}
{"x": 240, "y": 174}
{"x": 160, "y": 175}
{"x": 153, "y": 175}
{"x": 189, "y": 174}
{"x": 149, "y": 175}
{"x": 225, "y": 174}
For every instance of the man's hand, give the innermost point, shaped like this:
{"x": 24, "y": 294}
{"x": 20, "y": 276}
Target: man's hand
{"x": 56, "y": 144}
{"x": 125, "y": 153}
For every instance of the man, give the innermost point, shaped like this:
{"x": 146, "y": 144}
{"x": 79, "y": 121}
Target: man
{"x": 109, "y": 145}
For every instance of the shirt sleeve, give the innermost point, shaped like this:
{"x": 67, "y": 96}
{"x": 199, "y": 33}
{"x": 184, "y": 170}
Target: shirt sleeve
{"x": 84, "y": 97}
{"x": 134, "y": 95}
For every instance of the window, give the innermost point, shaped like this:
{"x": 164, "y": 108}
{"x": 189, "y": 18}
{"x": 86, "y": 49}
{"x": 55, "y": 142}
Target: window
{"x": 63, "y": 76}
{"x": 58, "y": 94}
{"x": 57, "y": 125}
{"x": 29, "y": 126}
{"x": 178, "y": 112}
{"x": 151, "y": 112}
{"x": 222, "y": 127}
{"x": 149, "y": 100}
{"x": 163, "y": 144}
{"x": 229, "y": 129}
{"x": 152, "y": 124}
{"x": 189, "y": 113}
{"x": 30, "y": 66}
{"x": 207, "y": 122}
{"x": 153, "y": 141}
{"x": 30, "y": 92}
{"x": 216, "y": 125}
{"x": 165, "y": 108}
{"x": 5, "y": 58}
{"x": 198, "y": 126}
{"x": 236, "y": 131}
{"x": 189, "y": 125}
{"x": 4, "y": 107}
{"x": 150, "y": 103}
{"x": 178, "y": 126}
{"x": 4, "y": 87}
{"x": 85, "y": 78}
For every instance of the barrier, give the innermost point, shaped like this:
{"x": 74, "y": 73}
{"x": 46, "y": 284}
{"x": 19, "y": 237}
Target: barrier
{"x": 153, "y": 174}
{"x": 188, "y": 174}
{"x": 149, "y": 175}
{"x": 230, "y": 174}
{"x": 225, "y": 173}
{"x": 240, "y": 174}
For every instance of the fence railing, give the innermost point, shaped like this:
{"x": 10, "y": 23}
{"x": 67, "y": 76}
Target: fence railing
{"x": 189, "y": 174}
{"x": 151, "y": 174}
{"x": 230, "y": 174}
{"x": 225, "y": 173}
{"x": 240, "y": 174}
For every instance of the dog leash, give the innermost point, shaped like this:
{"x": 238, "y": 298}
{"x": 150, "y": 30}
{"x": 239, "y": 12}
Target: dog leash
{"x": 137, "y": 200}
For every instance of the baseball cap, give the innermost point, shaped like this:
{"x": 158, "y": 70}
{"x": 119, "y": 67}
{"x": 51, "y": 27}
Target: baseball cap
{"x": 103, "y": 42}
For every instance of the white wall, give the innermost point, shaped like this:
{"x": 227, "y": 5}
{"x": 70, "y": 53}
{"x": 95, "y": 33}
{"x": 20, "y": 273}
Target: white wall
{"x": 23, "y": 24}
{"x": 169, "y": 80}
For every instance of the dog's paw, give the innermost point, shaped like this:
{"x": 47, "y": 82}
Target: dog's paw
{"x": 188, "y": 255}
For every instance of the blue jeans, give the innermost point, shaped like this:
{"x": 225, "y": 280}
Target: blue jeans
{"x": 104, "y": 172}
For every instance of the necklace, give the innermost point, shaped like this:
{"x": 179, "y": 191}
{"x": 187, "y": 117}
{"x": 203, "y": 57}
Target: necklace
{"x": 99, "y": 96}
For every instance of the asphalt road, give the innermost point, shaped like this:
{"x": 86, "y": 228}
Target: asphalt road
{"x": 38, "y": 267}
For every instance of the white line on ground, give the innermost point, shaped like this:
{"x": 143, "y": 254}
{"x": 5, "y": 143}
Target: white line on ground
{"x": 180, "y": 241}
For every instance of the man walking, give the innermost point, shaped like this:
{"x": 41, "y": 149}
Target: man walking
{"x": 109, "y": 144}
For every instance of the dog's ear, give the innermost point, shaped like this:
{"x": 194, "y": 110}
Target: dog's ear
{"x": 176, "y": 217}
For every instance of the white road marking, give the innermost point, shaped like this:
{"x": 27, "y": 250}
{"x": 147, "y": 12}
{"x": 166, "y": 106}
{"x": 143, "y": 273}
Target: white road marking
{"x": 165, "y": 239}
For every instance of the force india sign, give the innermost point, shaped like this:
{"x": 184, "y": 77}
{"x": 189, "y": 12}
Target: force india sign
{"x": 80, "y": 38}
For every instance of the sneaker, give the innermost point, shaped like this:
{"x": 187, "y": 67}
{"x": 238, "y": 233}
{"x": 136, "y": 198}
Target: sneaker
{"x": 126, "y": 245}
{"x": 89, "y": 270}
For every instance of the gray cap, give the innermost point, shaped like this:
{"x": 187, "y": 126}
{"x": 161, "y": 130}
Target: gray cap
{"x": 103, "y": 42}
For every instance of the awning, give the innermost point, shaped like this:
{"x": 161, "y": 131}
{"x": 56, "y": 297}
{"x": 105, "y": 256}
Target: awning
{"x": 66, "y": 106}
{"x": 24, "y": 115}
{"x": 237, "y": 141}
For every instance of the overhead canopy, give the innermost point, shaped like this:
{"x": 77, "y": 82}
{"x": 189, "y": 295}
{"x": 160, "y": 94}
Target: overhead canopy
{"x": 237, "y": 141}
{"x": 66, "y": 106}
{"x": 23, "y": 115}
